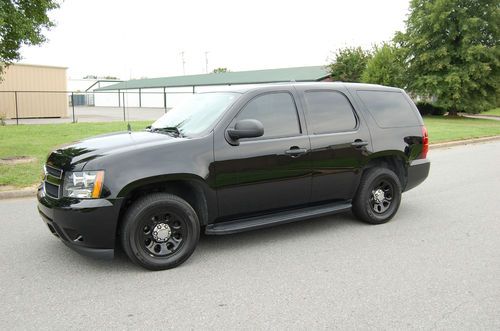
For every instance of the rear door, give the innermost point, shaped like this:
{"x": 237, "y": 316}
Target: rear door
{"x": 269, "y": 172}
{"x": 340, "y": 142}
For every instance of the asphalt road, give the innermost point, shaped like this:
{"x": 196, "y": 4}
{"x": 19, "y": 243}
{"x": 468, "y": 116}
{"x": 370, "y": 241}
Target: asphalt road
{"x": 435, "y": 266}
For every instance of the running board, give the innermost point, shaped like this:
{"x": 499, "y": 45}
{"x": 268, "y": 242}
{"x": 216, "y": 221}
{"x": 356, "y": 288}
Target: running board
{"x": 264, "y": 221}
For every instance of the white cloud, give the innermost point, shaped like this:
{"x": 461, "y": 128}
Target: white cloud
{"x": 145, "y": 38}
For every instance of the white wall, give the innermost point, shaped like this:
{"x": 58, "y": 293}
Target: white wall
{"x": 154, "y": 97}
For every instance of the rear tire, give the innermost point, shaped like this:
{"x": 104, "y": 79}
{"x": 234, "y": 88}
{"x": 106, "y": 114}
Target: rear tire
{"x": 160, "y": 231}
{"x": 378, "y": 197}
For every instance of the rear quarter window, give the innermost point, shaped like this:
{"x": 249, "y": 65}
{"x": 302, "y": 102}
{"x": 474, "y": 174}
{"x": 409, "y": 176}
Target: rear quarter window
{"x": 389, "y": 109}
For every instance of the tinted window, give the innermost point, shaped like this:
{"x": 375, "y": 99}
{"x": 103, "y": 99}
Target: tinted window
{"x": 277, "y": 113}
{"x": 389, "y": 109}
{"x": 329, "y": 111}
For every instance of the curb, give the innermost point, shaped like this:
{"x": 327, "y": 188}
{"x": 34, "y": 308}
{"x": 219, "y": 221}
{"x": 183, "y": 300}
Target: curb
{"x": 464, "y": 142}
{"x": 21, "y": 193}
{"x": 31, "y": 191}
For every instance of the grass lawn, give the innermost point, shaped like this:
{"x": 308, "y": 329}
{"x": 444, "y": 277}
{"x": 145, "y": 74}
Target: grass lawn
{"x": 38, "y": 140}
{"x": 443, "y": 129}
{"x": 495, "y": 112}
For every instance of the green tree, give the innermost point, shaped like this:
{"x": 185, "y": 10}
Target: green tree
{"x": 348, "y": 64}
{"x": 386, "y": 67}
{"x": 22, "y": 23}
{"x": 220, "y": 70}
{"x": 452, "y": 52}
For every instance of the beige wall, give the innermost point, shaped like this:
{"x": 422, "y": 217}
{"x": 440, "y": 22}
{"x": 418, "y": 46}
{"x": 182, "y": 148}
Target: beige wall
{"x": 28, "y": 78}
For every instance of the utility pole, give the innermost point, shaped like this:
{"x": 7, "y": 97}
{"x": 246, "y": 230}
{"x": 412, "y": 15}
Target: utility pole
{"x": 206, "y": 62}
{"x": 183, "y": 63}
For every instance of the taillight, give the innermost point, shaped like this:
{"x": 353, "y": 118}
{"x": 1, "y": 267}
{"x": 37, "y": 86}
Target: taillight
{"x": 425, "y": 143}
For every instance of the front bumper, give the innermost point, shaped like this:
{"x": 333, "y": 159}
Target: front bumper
{"x": 86, "y": 225}
{"x": 417, "y": 173}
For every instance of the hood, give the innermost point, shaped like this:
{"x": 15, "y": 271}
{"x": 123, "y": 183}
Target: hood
{"x": 77, "y": 154}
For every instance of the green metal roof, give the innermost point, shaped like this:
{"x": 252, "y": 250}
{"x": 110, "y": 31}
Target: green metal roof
{"x": 298, "y": 74}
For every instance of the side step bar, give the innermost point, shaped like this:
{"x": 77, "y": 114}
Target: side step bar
{"x": 264, "y": 221}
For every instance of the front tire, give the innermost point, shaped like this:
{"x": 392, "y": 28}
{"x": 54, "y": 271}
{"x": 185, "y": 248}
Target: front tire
{"x": 160, "y": 231}
{"x": 378, "y": 197}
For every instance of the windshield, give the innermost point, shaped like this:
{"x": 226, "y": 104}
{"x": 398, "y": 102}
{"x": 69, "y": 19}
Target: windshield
{"x": 196, "y": 114}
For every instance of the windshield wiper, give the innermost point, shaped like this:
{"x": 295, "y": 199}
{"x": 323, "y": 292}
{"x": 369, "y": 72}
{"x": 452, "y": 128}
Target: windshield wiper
{"x": 169, "y": 129}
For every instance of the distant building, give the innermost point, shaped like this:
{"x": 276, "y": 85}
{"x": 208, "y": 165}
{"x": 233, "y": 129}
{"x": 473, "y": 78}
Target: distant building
{"x": 168, "y": 91}
{"x": 34, "y": 90}
{"x": 83, "y": 89}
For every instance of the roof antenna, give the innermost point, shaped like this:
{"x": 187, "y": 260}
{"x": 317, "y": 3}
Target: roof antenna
{"x": 129, "y": 128}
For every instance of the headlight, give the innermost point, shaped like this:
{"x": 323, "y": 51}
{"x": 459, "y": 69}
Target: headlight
{"x": 83, "y": 184}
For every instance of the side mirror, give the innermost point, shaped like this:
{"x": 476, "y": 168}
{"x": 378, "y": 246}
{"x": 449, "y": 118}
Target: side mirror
{"x": 245, "y": 129}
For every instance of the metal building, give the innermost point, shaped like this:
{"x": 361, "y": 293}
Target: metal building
{"x": 152, "y": 92}
{"x": 33, "y": 91}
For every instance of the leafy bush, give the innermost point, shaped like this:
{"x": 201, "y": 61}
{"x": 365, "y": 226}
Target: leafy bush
{"x": 426, "y": 108}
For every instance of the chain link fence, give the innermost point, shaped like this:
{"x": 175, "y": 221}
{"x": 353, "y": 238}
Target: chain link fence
{"x": 43, "y": 107}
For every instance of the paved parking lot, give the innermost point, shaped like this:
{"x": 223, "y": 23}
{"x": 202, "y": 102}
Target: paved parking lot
{"x": 435, "y": 266}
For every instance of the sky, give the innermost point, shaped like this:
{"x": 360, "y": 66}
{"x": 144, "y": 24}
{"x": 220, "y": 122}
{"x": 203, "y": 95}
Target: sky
{"x": 144, "y": 38}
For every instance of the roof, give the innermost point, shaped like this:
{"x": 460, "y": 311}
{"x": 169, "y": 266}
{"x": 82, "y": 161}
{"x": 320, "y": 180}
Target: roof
{"x": 338, "y": 84}
{"x": 37, "y": 65}
{"x": 298, "y": 74}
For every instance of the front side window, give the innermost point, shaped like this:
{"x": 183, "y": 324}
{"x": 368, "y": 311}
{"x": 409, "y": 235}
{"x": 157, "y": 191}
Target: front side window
{"x": 276, "y": 112}
{"x": 329, "y": 111}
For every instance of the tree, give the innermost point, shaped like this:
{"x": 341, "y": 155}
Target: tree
{"x": 22, "y": 23}
{"x": 386, "y": 67}
{"x": 220, "y": 70}
{"x": 349, "y": 64}
{"x": 452, "y": 52}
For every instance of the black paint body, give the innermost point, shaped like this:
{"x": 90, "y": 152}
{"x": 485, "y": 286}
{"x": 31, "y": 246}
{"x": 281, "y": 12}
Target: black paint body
{"x": 224, "y": 182}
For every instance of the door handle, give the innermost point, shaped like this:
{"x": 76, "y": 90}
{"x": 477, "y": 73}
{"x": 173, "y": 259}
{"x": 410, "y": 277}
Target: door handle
{"x": 295, "y": 151}
{"x": 359, "y": 143}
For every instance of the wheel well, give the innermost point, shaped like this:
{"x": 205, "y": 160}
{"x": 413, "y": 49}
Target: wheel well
{"x": 188, "y": 190}
{"x": 395, "y": 163}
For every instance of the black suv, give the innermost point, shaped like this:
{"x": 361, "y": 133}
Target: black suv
{"x": 233, "y": 161}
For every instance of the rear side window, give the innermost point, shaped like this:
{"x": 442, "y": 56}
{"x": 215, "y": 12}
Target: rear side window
{"x": 276, "y": 112}
{"x": 329, "y": 111}
{"x": 389, "y": 109}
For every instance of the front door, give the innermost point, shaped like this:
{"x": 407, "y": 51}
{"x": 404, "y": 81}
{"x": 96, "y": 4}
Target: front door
{"x": 269, "y": 172}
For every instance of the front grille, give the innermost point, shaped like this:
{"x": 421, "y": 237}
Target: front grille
{"x": 57, "y": 173}
{"x": 53, "y": 181}
{"x": 52, "y": 190}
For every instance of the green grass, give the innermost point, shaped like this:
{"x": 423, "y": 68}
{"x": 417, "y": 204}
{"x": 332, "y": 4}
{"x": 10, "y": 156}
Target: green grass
{"x": 38, "y": 140}
{"x": 495, "y": 112}
{"x": 443, "y": 129}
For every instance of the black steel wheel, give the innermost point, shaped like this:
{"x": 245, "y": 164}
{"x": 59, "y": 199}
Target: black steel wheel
{"x": 381, "y": 196}
{"x": 160, "y": 231}
{"x": 378, "y": 197}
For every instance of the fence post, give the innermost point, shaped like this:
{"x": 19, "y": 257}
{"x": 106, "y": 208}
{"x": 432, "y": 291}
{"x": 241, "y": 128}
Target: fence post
{"x": 119, "y": 96}
{"x": 124, "y": 119}
{"x": 73, "y": 105}
{"x": 17, "y": 114}
{"x": 140, "y": 99}
{"x": 165, "y": 99}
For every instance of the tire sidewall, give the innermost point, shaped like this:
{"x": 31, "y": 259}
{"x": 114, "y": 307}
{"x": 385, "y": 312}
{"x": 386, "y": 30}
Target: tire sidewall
{"x": 396, "y": 200}
{"x": 362, "y": 205}
{"x": 139, "y": 255}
